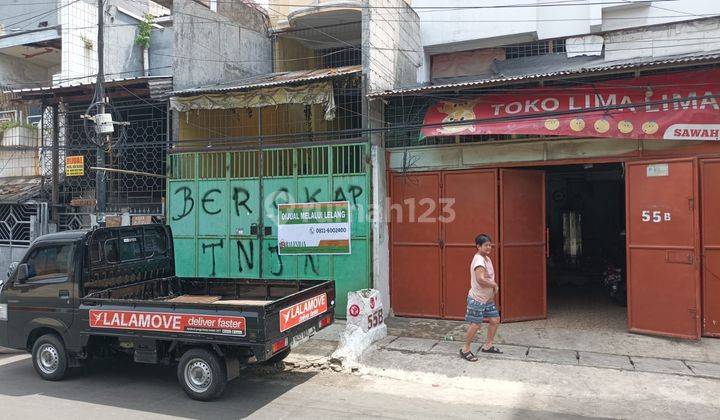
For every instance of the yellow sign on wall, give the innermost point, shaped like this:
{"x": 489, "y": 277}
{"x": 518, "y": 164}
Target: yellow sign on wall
{"x": 74, "y": 165}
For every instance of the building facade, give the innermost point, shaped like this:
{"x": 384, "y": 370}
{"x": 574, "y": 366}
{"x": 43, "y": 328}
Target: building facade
{"x": 296, "y": 134}
{"x": 564, "y": 132}
{"x": 146, "y": 43}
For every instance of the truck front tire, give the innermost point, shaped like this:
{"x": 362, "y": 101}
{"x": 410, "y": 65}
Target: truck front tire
{"x": 202, "y": 374}
{"x": 50, "y": 358}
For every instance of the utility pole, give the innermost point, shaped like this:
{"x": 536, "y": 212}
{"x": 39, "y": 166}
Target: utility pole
{"x": 103, "y": 137}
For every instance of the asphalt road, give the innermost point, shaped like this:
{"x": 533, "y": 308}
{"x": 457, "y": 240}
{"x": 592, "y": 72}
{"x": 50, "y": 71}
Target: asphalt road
{"x": 120, "y": 390}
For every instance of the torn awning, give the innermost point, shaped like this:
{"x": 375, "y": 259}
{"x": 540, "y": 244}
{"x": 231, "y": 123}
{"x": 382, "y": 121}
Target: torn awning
{"x": 678, "y": 106}
{"x": 320, "y": 93}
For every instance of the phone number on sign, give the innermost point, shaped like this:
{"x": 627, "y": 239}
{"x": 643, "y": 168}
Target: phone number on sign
{"x": 330, "y": 230}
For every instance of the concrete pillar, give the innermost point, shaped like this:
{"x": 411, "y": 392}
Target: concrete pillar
{"x": 380, "y": 233}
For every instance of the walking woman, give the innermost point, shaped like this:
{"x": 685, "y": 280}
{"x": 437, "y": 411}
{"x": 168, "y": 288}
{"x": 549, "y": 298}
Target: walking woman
{"x": 481, "y": 299}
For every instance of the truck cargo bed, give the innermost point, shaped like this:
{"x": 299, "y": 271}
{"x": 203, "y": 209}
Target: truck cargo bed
{"x": 203, "y": 291}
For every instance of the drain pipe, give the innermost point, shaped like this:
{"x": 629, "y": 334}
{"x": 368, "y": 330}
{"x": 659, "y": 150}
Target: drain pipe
{"x": 146, "y": 62}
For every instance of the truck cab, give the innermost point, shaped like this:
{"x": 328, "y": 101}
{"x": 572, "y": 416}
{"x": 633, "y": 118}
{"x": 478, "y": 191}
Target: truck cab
{"x": 41, "y": 291}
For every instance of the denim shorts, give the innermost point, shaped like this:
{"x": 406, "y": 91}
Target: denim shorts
{"x": 477, "y": 311}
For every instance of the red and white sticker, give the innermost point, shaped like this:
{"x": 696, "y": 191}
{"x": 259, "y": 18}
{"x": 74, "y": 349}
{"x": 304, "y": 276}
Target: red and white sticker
{"x": 168, "y": 322}
{"x": 303, "y": 311}
{"x": 354, "y": 310}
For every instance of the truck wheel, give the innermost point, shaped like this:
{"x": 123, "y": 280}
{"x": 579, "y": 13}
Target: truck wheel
{"x": 202, "y": 374}
{"x": 49, "y": 358}
{"x": 277, "y": 358}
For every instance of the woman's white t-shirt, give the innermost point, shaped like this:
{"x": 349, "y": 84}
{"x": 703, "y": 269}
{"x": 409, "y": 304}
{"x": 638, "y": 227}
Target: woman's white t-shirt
{"x": 480, "y": 292}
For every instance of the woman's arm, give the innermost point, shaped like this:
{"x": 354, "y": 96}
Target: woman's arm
{"x": 482, "y": 277}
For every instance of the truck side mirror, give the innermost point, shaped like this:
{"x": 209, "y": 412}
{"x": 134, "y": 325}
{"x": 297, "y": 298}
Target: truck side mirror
{"x": 11, "y": 268}
{"x": 22, "y": 273}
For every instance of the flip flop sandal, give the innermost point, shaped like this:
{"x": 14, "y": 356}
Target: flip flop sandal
{"x": 492, "y": 349}
{"x": 469, "y": 356}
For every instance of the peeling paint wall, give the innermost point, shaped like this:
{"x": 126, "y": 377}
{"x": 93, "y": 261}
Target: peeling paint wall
{"x": 17, "y": 72}
{"x": 162, "y": 50}
{"x": 391, "y": 44}
{"x": 679, "y": 38}
{"x": 123, "y": 58}
{"x": 218, "y": 47}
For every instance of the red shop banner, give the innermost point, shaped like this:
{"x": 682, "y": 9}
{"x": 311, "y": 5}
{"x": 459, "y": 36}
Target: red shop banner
{"x": 674, "y": 106}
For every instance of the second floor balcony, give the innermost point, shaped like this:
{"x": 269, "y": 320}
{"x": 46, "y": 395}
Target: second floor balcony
{"x": 315, "y": 13}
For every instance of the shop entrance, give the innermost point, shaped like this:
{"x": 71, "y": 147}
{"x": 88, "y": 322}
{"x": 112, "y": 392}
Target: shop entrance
{"x": 617, "y": 234}
{"x": 579, "y": 240}
{"x": 586, "y": 258}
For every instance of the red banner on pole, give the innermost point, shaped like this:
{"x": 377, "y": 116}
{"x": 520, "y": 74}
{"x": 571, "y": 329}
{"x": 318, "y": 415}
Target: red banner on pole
{"x": 677, "y": 106}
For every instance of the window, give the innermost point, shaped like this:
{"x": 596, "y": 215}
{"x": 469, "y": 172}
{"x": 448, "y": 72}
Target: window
{"x": 532, "y": 49}
{"x": 111, "y": 251}
{"x": 130, "y": 248}
{"x": 50, "y": 261}
{"x": 96, "y": 247}
{"x": 155, "y": 242}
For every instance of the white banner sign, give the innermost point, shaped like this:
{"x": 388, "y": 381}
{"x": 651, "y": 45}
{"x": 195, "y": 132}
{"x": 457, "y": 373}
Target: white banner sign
{"x": 314, "y": 228}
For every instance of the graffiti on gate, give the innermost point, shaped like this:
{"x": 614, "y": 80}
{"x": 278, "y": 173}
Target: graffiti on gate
{"x": 188, "y": 203}
{"x": 208, "y": 201}
{"x": 240, "y": 197}
{"x": 246, "y": 252}
{"x": 211, "y": 246}
{"x": 222, "y": 215}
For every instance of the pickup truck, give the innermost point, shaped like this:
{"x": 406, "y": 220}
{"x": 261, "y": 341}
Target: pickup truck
{"x": 113, "y": 292}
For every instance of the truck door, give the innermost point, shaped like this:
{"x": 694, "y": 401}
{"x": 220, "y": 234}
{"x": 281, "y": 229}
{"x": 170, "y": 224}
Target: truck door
{"x": 662, "y": 248}
{"x": 47, "y": 296}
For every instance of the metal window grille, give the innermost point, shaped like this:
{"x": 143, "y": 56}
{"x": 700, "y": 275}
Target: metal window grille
{"x": 532, "y": 49}
{"x": 339, "y": 57}
{"x": 244, "y": 164}
{"x": 313, "y": 161}
{"x": 212, "y": 165}
{"x": 282, "y": 124}
{"x": 139, "y": 147}
{"x": 349, "y": 159}
{"x": 346, "y": 159}
{"x": 182, "y": 166}
{"x": 15, "y": 223}
{"x": 278, "y": 162}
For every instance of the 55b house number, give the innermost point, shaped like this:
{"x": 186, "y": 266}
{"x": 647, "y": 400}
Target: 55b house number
{"x": 655, "y": 216}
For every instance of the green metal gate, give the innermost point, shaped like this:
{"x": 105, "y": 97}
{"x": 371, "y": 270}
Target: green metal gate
{"x": 213, "y": 207}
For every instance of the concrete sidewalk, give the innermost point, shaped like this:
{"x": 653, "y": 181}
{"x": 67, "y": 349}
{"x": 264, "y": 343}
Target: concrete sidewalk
{"x": 574, "y": 382}
{"x": 555, "y": 356}
{"x": 583, "y": 334}
{"x": 318, "y": 349}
